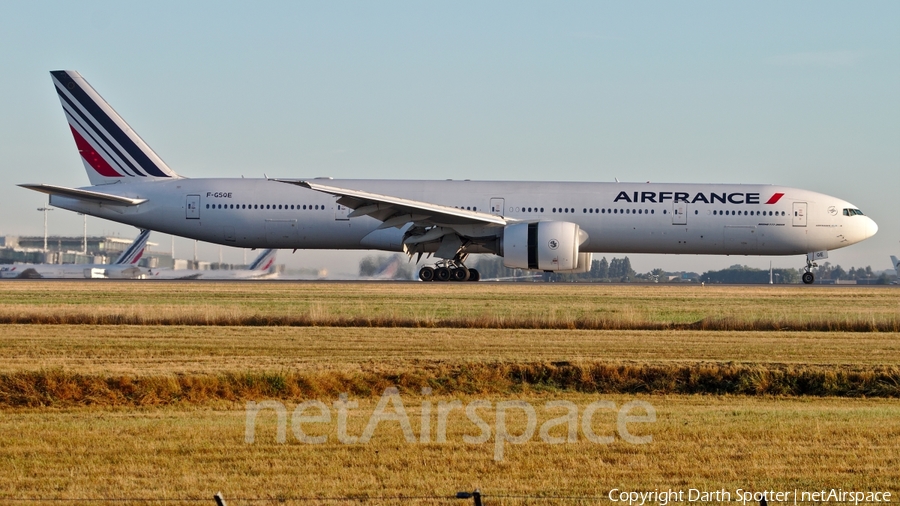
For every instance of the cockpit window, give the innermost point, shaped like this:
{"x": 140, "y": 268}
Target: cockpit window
{"x": 853, "y": 212}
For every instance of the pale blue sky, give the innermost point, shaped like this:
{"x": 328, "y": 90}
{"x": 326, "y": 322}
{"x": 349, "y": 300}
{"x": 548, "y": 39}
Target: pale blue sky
{"x": 803, "y": 94}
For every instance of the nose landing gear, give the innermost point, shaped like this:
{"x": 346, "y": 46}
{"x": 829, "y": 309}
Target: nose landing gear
{"x": 808, "y": 277}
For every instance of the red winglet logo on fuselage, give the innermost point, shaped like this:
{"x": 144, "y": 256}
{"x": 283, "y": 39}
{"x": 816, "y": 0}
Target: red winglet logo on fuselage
{"x": 775, "y": 198}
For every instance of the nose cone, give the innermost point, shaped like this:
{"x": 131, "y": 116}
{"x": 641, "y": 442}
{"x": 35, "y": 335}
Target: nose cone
{"x": 871, "y": 227}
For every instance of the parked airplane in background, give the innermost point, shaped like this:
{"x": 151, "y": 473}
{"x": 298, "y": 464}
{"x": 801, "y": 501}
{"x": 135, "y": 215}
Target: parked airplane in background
{"x": 533, "y": 225}
{"x": 388, "y": 269}
{"x": 896, "y": 263}
{"x": 125, "y": 267}
{"x": 260, "y": 268}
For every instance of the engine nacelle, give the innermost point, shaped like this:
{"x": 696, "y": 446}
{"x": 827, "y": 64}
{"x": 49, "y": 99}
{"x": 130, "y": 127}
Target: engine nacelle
{"x": 584, "y": 264}
{"x": 546, "y": 245}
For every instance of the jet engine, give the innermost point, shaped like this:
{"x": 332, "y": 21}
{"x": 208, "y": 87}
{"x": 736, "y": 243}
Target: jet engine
{"x": 545, "y": 245}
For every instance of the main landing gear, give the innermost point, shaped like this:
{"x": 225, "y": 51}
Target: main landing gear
{"x": 808, "y": 277}
{"x": 448, "y": 270}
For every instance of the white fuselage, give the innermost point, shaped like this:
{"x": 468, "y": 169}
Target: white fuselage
{"x": 617, "y": 217}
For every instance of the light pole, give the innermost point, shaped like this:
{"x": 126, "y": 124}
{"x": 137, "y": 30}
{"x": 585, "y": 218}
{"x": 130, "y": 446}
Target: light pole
{"x": 44, "y": 210}
{"x": 84, "y": 244}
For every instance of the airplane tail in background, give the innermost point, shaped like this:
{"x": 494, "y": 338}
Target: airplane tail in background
{"x": 111, "y": 151}
{"x": 896, "y": 265}
{"x": 133, "y": 253}
{"x": 264, "y": 261}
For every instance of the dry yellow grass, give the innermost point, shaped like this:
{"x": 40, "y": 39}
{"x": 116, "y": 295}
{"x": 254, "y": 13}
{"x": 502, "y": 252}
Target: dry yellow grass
{"x": 698, "y": 441}
{"x": 65, "y": 365}
{"x": 157, "y": 411}
{"x": 484, "y": 305}
{"x": 155, "y": 350}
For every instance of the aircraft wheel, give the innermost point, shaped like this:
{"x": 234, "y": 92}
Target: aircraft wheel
{"x": 461, "y": 274}
{"x": 442, "y": 274}
{"x": 426, "y": 274}
{"x": 474, "y": 275}
{"x": 808, "y": 278}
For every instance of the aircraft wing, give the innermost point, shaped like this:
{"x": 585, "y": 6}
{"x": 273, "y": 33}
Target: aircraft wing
{"x": 86, "y": 195}
{"x": 397, "y": 212}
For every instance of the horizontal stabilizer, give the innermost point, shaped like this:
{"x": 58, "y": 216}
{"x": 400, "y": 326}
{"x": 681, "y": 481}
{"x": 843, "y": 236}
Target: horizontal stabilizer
{"x": 85, "y": 195}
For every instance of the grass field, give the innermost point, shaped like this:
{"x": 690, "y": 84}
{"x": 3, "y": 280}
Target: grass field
{"x": 701, "y": 442}
{"x": 806, "y": 383}
{"x": 482, "y": 305}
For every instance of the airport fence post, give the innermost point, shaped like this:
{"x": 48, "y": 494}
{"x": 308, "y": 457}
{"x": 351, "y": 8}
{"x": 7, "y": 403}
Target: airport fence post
{"x": 220, "y": 501}
{"x": 475, "y": 496}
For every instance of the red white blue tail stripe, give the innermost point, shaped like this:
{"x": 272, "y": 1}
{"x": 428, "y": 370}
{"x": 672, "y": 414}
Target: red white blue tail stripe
{"x": 264, "y": 261}
{"x": 134, "y": 252}
{"x": 110, "y": 149}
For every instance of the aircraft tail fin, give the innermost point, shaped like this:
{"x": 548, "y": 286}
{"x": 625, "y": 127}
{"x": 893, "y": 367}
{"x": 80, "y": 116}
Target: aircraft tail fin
{"x": 110, "y": 150}
{"x": 264, "y": 261}
{"x": 133, "y": 253}
{"x": 896, "y": 264}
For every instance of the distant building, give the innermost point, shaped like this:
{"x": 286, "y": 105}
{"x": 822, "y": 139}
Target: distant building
{"x": 71, "y": 250}
{"x": 100, "y": 250}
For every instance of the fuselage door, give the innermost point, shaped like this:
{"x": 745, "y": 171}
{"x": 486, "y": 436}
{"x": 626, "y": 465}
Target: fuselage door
{"x": 679, "y": 213}
{"x": 497, "y": 206}
{"x": 192, "y": 207}
{"x": 799, "y": 214}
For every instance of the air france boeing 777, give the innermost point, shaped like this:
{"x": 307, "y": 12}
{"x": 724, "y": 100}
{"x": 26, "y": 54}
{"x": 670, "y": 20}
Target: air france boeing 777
{"x": 549, "y": 226}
